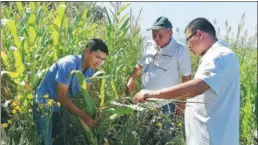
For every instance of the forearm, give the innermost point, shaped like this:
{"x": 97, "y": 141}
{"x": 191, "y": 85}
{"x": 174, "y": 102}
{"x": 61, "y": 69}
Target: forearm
{"x": 185, "y": 90}
{"x": 73, "y": 108}
{"x": 136, "y": 72}
{"x": 184, "y": 79}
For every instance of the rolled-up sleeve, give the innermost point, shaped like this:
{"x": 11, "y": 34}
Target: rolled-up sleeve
{"x": 216, "y": 74}
{"x": 63, "y": 73}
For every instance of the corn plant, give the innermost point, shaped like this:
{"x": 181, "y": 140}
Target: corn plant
{"x": 249, "y": 98}
{"x": 31, "y": 29}
{"x": 36, "y": 34}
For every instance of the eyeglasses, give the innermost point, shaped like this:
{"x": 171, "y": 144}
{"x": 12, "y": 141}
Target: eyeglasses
{"x": 187, "y": 39}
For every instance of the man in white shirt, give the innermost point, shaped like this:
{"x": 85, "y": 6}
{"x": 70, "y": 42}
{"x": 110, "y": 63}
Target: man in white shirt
{"x": 164, "y": 60}
{"x": 212, "y": 109}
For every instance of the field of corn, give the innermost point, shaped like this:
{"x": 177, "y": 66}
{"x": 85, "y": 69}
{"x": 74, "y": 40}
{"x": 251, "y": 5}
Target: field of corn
{"x": 35, "y": 34}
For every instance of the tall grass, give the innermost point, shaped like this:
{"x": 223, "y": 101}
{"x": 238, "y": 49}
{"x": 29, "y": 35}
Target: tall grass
{"x": 36, "y": 34}
{"x": 33, "y": 29}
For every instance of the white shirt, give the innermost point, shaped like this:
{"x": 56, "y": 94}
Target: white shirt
{"x": 163, "y": 67}
{"x": 215, "y": 123}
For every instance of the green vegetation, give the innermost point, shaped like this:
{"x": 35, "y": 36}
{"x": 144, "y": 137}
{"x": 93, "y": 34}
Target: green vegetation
{"x": 35, "y": 34}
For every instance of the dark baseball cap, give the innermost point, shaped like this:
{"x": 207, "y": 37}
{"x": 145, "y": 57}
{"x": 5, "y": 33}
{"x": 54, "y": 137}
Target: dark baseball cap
{"x": 160, "y": 23}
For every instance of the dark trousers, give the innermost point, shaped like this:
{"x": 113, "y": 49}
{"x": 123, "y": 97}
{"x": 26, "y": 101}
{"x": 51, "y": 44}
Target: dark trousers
{"x": 167, "y": 124}
{"x": 168, "y": 109}
{"x": 51, "y": 126}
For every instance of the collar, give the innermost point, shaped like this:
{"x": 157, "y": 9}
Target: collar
{"x": 170, "y": 43}
{"x": 214, "y": 47}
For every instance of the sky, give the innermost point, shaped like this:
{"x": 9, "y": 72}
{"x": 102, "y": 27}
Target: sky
{"x": 181, "y": 13}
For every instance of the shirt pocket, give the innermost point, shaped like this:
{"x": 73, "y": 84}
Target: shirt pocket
{"x": 165, "y": 62}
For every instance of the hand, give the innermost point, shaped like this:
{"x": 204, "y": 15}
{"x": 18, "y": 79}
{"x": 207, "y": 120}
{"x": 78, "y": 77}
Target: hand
{"x": 99, "y": 117}
{"x": 180, "y": 109}
{"x": 90, "y": 122}
{"x": 130, "y": 87}
{"x": 143, "y": 95}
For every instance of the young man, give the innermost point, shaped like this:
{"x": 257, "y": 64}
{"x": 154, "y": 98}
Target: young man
{"x": 164, "y": 60}
{"x": 60, "y": 86}
{"x": 212, "y": 109}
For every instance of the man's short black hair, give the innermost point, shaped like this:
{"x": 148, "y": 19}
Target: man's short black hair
{"x": 97, "y": 44}
{"x": 201, "y": 24}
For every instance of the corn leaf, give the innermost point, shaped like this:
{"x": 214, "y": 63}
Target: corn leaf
{"x": 60, "y": 14}
{"x": 20, "y": 7}
{"x": 123, "y": 8}
{"x": 102, "y": 92}
{"x": 4, "y": 57}
{"x": 18, "y": 62}
{"x": 93, "y": 138}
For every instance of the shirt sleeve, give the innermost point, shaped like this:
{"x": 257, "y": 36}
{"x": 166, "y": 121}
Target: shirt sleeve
{"x": 217, "y": 73}
{"x": 63, "y": 72}
{"x": 147, "y": 50}
{"x": 184, "y": 62}
{"x": 141, "y": 60}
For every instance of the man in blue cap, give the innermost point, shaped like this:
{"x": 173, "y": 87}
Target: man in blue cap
{"x": 164, "y": 62}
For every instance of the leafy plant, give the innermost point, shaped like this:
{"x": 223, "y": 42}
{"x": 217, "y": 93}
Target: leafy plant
{"x": 36, "y": 34}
